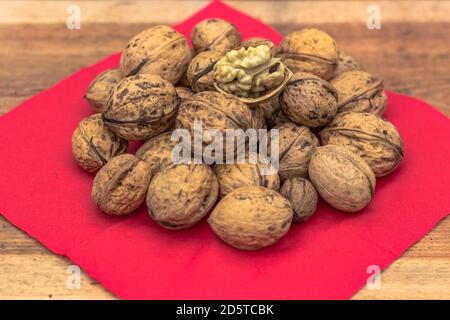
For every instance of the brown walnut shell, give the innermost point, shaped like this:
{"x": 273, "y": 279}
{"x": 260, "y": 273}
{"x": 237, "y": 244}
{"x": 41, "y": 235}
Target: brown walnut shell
{"x": 179, "y": 196}
{"x": 120, "y": 186}
{"x": 342, "y": 178}
{"x": 141, "y": 106}
{"x": 199, "y": 73}
{"x": 346, "y": 63}
{"x": 309, "y": 100}
{"x": 256, "y": 41}
{"x": 98, "y": 92}
{"x": 251, "y": 218}
{"x": 358, "y": 91}
{"x": 184, "y": 92}
{"x": 215, "y": 34}
{"x": 303, "y": 197}
{"x": 372, "y": 137}
{"x": 270, "y": 110}
{"x": 310, "y": 50}
{"x": 159, "y": 50}
{"x": 93, "y": 144}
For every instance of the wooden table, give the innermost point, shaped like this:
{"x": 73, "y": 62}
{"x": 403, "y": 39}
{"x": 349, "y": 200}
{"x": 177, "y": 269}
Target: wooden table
{"x": 411, "y": 52}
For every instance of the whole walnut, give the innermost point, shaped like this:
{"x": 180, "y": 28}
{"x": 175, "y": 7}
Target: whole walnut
{"x": 93, "y": 144}
{"x": 157, "y": 152}
{"x": 179, "y": 196}
{"x": 159, "y": 50}
{"x": 302, "y": 196}
{"x": 141, "y": 106}
{"x": 346, "y": 63}
{"x": 342, "y": 178}
{"x": 296, "y": 146}
{"x": 120, "y": 186}
{"x": 98, "y": 92}
{"x": 270, "y": 110}
{"x": 251, "y": 218}
{"x": 200, "y": 71}
{"x": 310, "y": 50}
{"x": 184, "y": 92}
{"x": 251, "y": 172}
{"x": 309, "y": 100}
{"x": 359, "y": 91}
{"x": 372, "y": 137}
{"x": 215, "y": 34}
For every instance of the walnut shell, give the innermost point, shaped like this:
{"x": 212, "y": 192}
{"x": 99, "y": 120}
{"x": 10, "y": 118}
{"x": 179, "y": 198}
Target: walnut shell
{"x": 184, "y": 92}
{"x": 302, "y": 196}
{"x": 251, "y": 218}
{"x": 346, "y": 63}
{"x": 309, "y": 100}
{"x": 256, "y": 41}
{"x": 120, "y": 186}
{"x": 93, "y": 144}
{"x": 159, "y": 50}
{"x": 310, "y": 50}
{"x": 270, "y": 110}
{"x": 372, "y": 137}
{"x": 157, "y": 152}
{"x": 258, "y": 119}
{"x": 360, "y": 92}
{"x": 215, "y": 34}
{"x": 141, "y": 106}
{"x": 342, "y": 178}
{"x": 98, "y": 92}
{"x": 296, "y": 146}
{"x": 200, "y": 71}
{"x": 248, "y": 173}
{"x": 179, "y": 196}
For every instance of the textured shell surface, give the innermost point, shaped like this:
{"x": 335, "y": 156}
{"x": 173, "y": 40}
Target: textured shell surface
{"x": 251, "y": 218}
{"x": 141, "y": 106}
{"x": 121, "y": 185}
{"x": 346, "y": 63}
{"x": 342, "y": 178}
{"x": 309, "y": 100}
{"x": 256, "y": 41}
{"x": 93, "y": 144}
{"x": 179, "y": 196}
{"x": 302, "y": 196}
{"x": 310, "y": 50}
{"x": 184, "y": 92}
{"x": 199, "y": 73}
{"x": 215, "y": 34}
{"x": 360, "y": 92}
{"x": 98, "y": 92}
{"x": 270, "y": 110}
{"x": 372, "y": 137}
{"x": 159, "y": 50}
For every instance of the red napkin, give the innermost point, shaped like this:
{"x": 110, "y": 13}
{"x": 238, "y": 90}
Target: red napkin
{"x": 47, "y": 195}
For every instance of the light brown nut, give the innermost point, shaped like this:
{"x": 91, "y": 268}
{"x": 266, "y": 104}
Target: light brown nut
{"x": 120, "y": 186}
{"x": 179, "y": 196}
{"x": 310, "y": 50}
{"x": 360, "y": 92}
{"x": 270, "y": 110}
{"x": 184, "y": 92}
{"x": 342, "y": 178}
{"x": 309, "y": 100}
{"x": 93, "y": 144}
{"x": 251, "y": 218}
{"x": 98, "y": 92}
{"x": 141, "y": 106}
{"x": 302, "y": 196}
{"x": 215, "y": 34}
{"x": 296, "y": 146}
{"x": 372, "y": 137}
{"x": 346, "y": 63}
{"x": 200, "y": 71}
{"x": 159, "y": 50}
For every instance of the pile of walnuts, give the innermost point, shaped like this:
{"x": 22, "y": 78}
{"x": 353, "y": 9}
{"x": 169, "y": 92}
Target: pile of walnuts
{"x": 304, "y": 83}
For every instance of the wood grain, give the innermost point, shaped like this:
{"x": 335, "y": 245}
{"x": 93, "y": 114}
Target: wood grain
{"x": 412, "y": 57}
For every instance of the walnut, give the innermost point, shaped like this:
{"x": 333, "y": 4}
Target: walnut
{"x": 302, "y": 196}
{"x": 179, "y": 196}
{"x": 309, "y": 50}
{"x": 359, "y": 91}
{"x": 270, "y": 110}
{"x": 120, "y": 186}
{"x": 256, "y": 41}
{"x": 184, "y": 92}
{"x": 93, "y": 144}
{"x": 346, "y": 63}
{"x": 98, "y": 92}
{"x": 342, "y": 178}
{"x": 199, "y": 73}
{"x": 370, "y": 136}
{"x": 258, "y": 118}
{"x": 215, "y": 34}
{"x": 251, "y": 218}
{"x": 296, "y": 146}
{"x": 141, "y": 106}
{"x": 309, "y": 100}
{"x": 159, "y": 50}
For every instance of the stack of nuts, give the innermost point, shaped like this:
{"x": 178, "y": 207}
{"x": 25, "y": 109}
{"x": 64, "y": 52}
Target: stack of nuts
{"x": 304, "y": 83}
